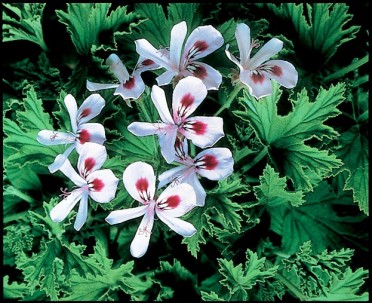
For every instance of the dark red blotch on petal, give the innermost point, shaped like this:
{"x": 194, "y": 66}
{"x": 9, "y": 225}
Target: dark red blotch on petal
{"x": 210, "y": 162}
{"x": 187, "y": 100}
{"x": 130, "y": 83}
{"x": 147, "y": 62}
{"x": 199, "y": 127}
{"x": 142, "y": 184}
{"x": 200, "y": 46}
{"x": 173, "y": 201}
{"x": 89, "y": 164}
{"x": 200, "y": 72}
{"x": 97, "y": 184}
{"x": 276, "y": 70}
{"x": 84, "y": 136}
{"x": 257, "y": 78}
{"x": 85, "y": 112}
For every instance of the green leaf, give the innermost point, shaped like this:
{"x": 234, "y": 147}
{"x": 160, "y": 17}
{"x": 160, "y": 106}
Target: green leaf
{"x": 316, "y": 220}
{"x": 322, "y": 29}
{"x": 13, "y": 290}
{"x": 285, "y": 135}
{"x": 242, "y": 278}
{"x": 272, "y": 192}
{"x": 211, "y": 296}
{"x": 86, "y": 21}
{"x": 26, "y": 25}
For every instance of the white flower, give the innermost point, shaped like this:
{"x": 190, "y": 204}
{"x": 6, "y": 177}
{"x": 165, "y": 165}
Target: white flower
{"x": 173, "y": 202}
{"x": 213, "y": 163}
{"x": 81, "y": 130}
{"x": 100, "y": 185}
{"x": 202, "y": 41}
{"x": 130, "y": 87}
{"x": 187, "y": 96}
{"x": 256, "y": 72}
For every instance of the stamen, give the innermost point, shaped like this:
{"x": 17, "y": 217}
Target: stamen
{"x": 52, "y": 137}
{"x": 65, "y": 192}
{"x": 255, "y": 44}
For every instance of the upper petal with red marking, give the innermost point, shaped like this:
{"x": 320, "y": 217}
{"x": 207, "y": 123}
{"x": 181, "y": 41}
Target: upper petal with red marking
{"x": 268, "y": 50}
{"x": 132, "y": 88}
{"x": 90, "y": 108}
{"x": 139, "y": 181}
{"x": 102, "y": 185}
{"x": 282, "y": 71}
{"x": 117, "y": 68}
{"x": 259, "y": 85}
{"x": 92, "y": 156}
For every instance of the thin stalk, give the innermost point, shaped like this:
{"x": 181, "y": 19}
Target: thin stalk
{"x": 347, "y": 69}
{"x": 257, "y": 159}
{"x": 233, "y": 95}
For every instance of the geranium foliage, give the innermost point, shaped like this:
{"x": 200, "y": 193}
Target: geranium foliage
{"x": 253, "y": 117}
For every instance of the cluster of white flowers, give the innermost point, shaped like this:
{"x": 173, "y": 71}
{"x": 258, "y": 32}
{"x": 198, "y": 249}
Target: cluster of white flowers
{"x": 191, "y": 81}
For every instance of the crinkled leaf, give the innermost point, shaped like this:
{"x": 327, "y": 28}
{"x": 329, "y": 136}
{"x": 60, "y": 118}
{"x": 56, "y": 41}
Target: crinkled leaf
{"x": 26, "y": 25}
{"x": 285, "y": 135}
{"x": 211, "y": 296}
{"x": 272, "y": 190}
{"x": 13, "y": 290}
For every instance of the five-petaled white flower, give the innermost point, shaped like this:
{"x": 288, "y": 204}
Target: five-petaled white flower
{"x": 100, "y": 185}
{"x": 173, "y": 202}
{"x": 187, "y": 96}
{"x": 81, "y": 131}
{"x": 256, "y": 72}
{"x": 202, "y": 41}
{"x": 213, "y": 163}
{"x": 130, "y": 87}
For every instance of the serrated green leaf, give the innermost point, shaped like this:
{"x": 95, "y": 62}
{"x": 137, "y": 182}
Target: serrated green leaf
{"x": 26, "y": 25}
{"x": 272, "y": 192}
{"x": 211, "y": 296}
{"x": 285, "y": 135}
{"x": 13, "y": 290}
{"x": 176, "y": 269}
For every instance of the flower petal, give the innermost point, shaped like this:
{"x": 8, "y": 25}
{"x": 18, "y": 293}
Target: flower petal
{"x": 90, "y": 132}
{"x": 144, "y": 64}
{"x": 202, "y": 41}
{"x": 160, "y": 102}
{"x": 176, "y": 200}
{"x": 283, "y": 72}
{"x": 92, "y": 156}
{"x": 214, "y": 163}
{"x": 259, "y": 85}
{"x": 63, "y": 208}
{"x": 177, "y": 38}
{"x": 141, "y": 240}
{"x": 166, "y": 77}
{"x": 90, "y": 108}
{"x": 187, "y": 96}
{"x": 117, "y": 68}
{"x": 139, "y": 181}
{"x": 182, "y": 151}
{"x": 232, "y": 58}
{"x": 203, "y": 131}
{"x": 171, "y": 175}
{"x": 93, "y": 86}
{"x": 122, "y": 215}
{"x": 71, "y": 106}
{"x": 82, "y": 214}
{"x": 243, "y": 39}
{"x": 200, "y": 193}
{"x": 131, "y": 89}
{"x": 51, "y": 137}
{"x": 60, "y": 159}
{"x": 102, "y": 185}
{"x": 211, "y": 77}
{"x": 67, "y": 169}
{"x": 268, "y": 50}
{"x": 181, "y": 227}
{"x": 148, "y": 128}
{"x": 166, "y": 142}
{"x": 145, "y": 49}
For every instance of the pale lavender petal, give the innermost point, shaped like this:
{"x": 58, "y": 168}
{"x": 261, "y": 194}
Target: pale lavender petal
{"x": 102, "y": 185}
{"x": 282, "y": 71}
{"x": 82, "y": 214}
{"x": 145, "y": 49}
{"x": 141, "y": 240}
{"x": 166, "y": 77}
{"x": 139, "y": 181}
{"x": 232, "y": 58}
{"x": 122, "y": 215}
{"x": 90, "y": 132}
{"x": 200, "y": 193}
{"x": 259, "y": 85}
{"x": 90, "y": 108}
{"x": 181, "y": 227}
{"x": 268, "y": 50}
{"x": 178, "y": 35}
{"x": 148, "y": 128}
{"x": 132, "y": 89}
{"x": 63, "y": 208}
{"x": 71, "y": 106}
{"x": 67, "y": 169}
{"x": 93, "y": 86}
{"x": 203, "y": 131}
{"x": 91, "y": 158}
{"x": 214, "y": 163}
{"x": 188, "y": 94}
{"x": 60, "y": 159}
{"x": 144, "y": 64}
{"x": 176, "y": 200}
{"x": 51, "y": 137}
{"x": 117, "y": 68}
{"x": 210, "y": 76}
{"x": 160, "y": 102}
{"x": 166, "y": 142}
{"x": 243, "y": 38}
{"x": 202, "y": 41}
{"x": 171, "y": 175}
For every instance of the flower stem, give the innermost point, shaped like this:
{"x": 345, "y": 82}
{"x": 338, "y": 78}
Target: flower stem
{"x": 347, "y": 69}
{"x": 257, "y": 159}
{"x": 233, "y": 95}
